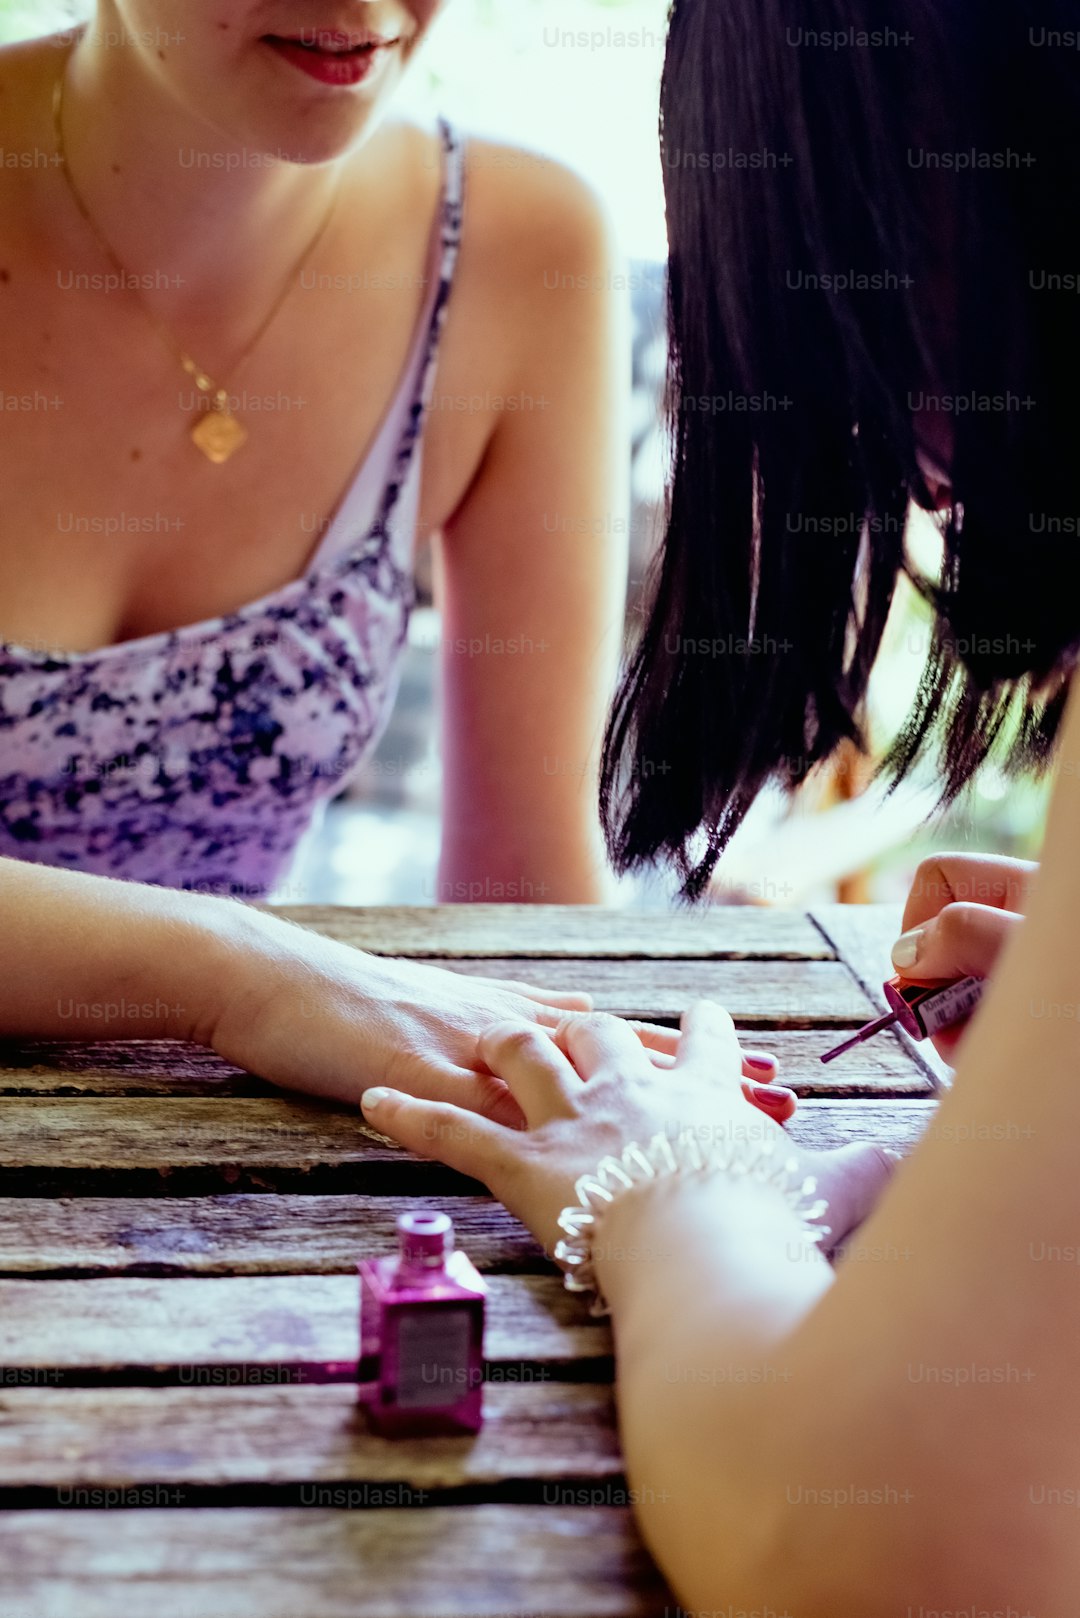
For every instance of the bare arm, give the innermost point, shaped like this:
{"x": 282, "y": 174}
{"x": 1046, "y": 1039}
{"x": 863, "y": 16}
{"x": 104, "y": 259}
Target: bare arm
{"x": 85, "y": 958}
{"x": 915, "y": 1443}
{"x": 89, "y": 958}
{"x": 533, "y": 566}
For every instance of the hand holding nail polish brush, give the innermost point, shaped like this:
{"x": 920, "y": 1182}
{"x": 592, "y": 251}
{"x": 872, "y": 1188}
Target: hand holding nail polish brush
{"x": 920, "y": 1009}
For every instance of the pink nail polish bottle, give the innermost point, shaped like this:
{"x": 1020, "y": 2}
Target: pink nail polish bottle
{"x": 422, "y": 1322}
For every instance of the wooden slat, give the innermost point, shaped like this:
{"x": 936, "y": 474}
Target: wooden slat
{"x": 766, "y": 994}
{"x": 51, "y": 1145}
{"x": 135, "y": 1067}
{"x": 484, "y": 1562}
{"x": 94, "y": 1146}
{"x": 240, "y": 1141}
{"x": 734, "y": 932}
{"x": 166, "y": 1068}
{"x": 819, "y": 1125}
{"x": 862, "y": 936}
{"x": 203, "y": 1438}
{"x": 103, "y": 1133}
{"x": 781, "y": 994}
{"x": 237, "y": 1235}
{"x": 292, "y": 1327}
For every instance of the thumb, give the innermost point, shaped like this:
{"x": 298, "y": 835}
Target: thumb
{"x": 853, "y": 1179}
{"x": 435, "y": 1129}
{"x": 961, "y": 941}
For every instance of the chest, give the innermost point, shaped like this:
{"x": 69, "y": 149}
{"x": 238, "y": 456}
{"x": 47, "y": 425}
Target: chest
{"x": 114, "y": 524}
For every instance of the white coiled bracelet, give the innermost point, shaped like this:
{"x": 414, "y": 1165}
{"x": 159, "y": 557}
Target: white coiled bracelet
{"x": 613, "y": 1176}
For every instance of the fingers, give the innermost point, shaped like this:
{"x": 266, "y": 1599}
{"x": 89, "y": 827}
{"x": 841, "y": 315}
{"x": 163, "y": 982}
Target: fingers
{"x": 964, "y": 940}
{"x": 599, "y": 1043}
{"x": 462, "y": 1140}
{"x": 948, "y": 879}
{"x": 853, "y": 1179}
{"x": 534, "y": 1069}
{"x": 760, "y": 1066}
{"x": 460, "y": 1087}
{"x": 776, "y": 1101}
{"x": 549, "y": 1017}
{"x": 709, "y": 1040}
{"x": 665, "y": 1041}
{"x": 564, "y": 1000}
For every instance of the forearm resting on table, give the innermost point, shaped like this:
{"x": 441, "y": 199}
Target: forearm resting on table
{"x": 807, "y": 1443}
{"x": 707, "y": 1277}
{"x": 87, "y": 958}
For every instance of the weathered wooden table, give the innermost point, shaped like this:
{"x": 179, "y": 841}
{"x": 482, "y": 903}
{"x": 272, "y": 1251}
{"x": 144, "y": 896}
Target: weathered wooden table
{"x": 178, "y": 1244}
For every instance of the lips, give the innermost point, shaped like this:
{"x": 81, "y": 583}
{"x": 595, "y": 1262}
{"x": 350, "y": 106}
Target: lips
{"x": 332, "y": 56}
{"x": 331, "y": 41}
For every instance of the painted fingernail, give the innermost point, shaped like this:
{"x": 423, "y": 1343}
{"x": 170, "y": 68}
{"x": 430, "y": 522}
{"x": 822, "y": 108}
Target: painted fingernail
{"x": 905, "y": 952}
{"x": 372, "y": 1098}
{"x": 771, "y": 1094}
{"x": 764, "y": 1064}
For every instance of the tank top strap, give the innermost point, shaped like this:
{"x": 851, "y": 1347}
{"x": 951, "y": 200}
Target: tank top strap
{"x": 449, "y": 251}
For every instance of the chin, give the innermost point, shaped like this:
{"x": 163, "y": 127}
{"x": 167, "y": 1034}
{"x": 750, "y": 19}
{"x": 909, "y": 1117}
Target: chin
{"x": 299, "y": 137}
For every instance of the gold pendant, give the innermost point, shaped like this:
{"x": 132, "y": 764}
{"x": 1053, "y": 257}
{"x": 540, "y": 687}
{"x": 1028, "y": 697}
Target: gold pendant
{"x": 218, "y": 434}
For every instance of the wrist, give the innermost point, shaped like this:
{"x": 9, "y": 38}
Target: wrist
{"x": 657, "y": 1240}
{"x": 238, "y": 956}
{"x": 194, "y": 955}
{"x": 729, "y": 1157}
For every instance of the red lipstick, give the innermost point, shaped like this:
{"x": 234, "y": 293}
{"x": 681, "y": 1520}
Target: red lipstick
{"x": 331, "y": 57}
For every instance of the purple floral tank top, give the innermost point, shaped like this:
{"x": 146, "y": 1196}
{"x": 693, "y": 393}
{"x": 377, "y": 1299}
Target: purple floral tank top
{"x": 200, "y": 757}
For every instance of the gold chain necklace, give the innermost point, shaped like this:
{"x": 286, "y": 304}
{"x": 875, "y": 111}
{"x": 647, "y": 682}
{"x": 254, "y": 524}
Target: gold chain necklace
{"x": 218, "y": 432}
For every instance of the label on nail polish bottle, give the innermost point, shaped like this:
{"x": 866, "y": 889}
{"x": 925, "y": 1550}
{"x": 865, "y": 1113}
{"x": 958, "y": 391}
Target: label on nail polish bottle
{"x": 433, "y": 1357}
{"x": 924, "y": 1009}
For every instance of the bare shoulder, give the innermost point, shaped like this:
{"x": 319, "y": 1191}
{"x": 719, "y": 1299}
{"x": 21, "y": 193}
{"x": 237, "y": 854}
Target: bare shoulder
{"x": 27, "y": 68}
{"x": 522, "y": 206}
{"x": 537, "y": 213}
{"x": 536, "y": 235}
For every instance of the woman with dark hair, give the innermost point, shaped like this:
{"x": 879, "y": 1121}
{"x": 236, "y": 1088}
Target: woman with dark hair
{"x": 867, "y": 266}
{"x": 872, "y": 264}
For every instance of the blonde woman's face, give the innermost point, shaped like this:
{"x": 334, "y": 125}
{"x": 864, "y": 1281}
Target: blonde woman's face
{"x": 302, "y": 80}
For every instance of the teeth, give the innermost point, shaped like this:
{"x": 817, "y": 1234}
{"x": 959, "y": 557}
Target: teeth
{"x": 327, "y": 47}
{"x": 320, "y": 45}
{"x": 333, "y": 48}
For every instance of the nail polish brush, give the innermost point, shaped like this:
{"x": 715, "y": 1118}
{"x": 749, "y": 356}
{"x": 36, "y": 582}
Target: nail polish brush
{"x": 920, "y": 1009}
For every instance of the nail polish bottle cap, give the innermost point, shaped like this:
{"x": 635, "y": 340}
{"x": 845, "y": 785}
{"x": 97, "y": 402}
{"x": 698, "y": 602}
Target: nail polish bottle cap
{"x": 424, "y": 1239}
